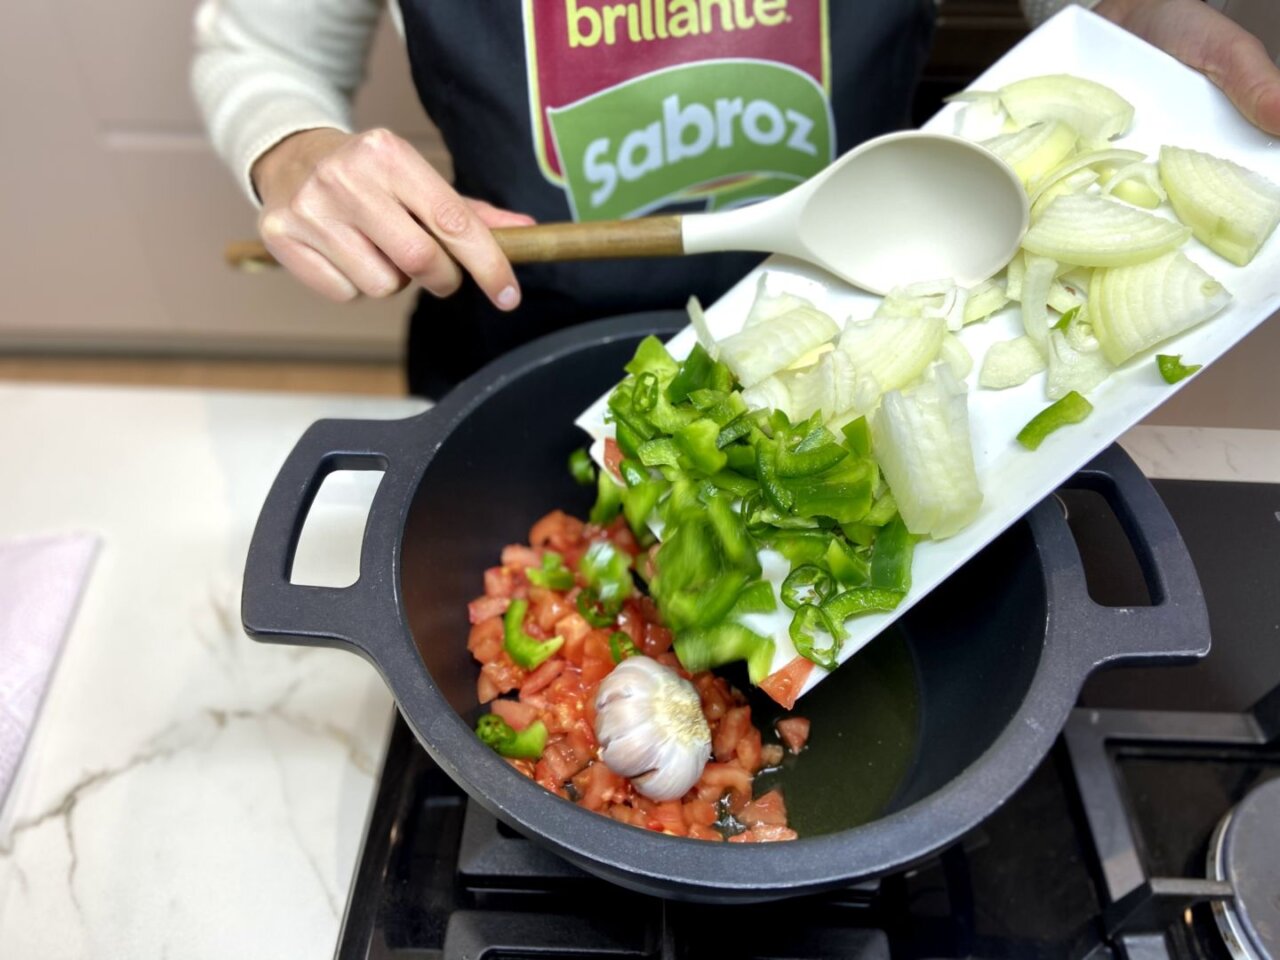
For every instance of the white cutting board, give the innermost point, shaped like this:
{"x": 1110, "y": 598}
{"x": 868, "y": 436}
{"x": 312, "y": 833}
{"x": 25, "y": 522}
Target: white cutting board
{"x": 1173, "y": 105}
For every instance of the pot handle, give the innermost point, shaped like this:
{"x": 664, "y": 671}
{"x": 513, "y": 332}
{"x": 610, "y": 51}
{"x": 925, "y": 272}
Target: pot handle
{"x": 273, "y": 609}
{"x": 1176, "y": 625}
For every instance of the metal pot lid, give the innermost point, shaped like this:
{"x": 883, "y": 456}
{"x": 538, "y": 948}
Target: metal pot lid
{"x": 1245, "y": 852}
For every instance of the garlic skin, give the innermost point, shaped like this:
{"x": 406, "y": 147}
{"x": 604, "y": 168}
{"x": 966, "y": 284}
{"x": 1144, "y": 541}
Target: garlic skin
{"x": 651, "y": 729}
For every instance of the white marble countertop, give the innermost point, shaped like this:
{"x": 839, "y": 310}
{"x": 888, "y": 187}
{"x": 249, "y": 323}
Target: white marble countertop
{"x": 188, "y": 793}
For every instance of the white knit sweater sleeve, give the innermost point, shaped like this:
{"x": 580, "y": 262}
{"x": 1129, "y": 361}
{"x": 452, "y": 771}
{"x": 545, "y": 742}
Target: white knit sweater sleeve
{"x": 1038, "y": 11}
{"x": 264, "y": 69}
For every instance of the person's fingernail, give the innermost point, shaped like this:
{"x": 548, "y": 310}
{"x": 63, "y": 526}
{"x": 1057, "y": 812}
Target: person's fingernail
{"x": 508, "y": 298}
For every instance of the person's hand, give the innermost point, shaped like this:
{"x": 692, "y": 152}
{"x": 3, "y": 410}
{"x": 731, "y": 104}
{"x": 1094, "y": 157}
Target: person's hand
{"x": 365, "y": 213}
{"x": 1212, "y": 43}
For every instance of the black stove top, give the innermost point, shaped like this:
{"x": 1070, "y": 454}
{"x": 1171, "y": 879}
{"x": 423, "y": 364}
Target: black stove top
{"x": 1115, "y": 848}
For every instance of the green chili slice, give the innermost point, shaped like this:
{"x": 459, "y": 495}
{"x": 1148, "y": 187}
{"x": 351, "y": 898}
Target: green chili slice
{"x": 1173, "y": 369}
{"x": 553, "y": 574}
{"x": 891, "y": 558}
{"x": 1070, "y": 409}
{"x": 523, "y": 649}
{"x": 755, "y": 598}
{"x": 859, "y": 600}
{"x": 1064, "y": 321}
{"x": 526, "y": 744}
{"x": 608, "y": 499}
{"x": 725, "y": 643}
{"x": 808, "y": 621}
{"x": 621, "y": 646}
{"x": 806, "y": 584}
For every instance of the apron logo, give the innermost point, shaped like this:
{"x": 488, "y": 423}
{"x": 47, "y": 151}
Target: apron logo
{"x": 661, "y": 19}
{"x": 649, "y": 103}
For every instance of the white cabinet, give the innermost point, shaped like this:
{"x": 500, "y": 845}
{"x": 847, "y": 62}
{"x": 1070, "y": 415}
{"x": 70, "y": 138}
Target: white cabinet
{"x": 114, "y": 211}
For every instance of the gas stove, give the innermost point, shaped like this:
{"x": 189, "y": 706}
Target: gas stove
{"x": 1151, "y": 832}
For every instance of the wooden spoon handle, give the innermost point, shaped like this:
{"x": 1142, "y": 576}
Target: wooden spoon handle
{"x": 601, "y": 240}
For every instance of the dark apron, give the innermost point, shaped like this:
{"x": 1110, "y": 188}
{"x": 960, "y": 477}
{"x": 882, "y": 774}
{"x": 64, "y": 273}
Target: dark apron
{"x": 472, "y": 61}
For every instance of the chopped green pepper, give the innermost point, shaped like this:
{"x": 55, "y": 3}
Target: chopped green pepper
{"x": 607, "y": 572}
{"x": 581, "y": 468}
{"x": 775, "y": 492}
{"x": 859, "y": 600}
{"x": 808, "y": 621}
{"x": 523, "y": 649}
{"x": 1070, "y": 409}
{"x": 1173, "y": 369}
{"x": 724, "y": 643}
{"x": 732, "y": 482}
{"x": 633, "y": 472}
{"x": 695, "y": 373}
{"x": 638, "y": 503}
{"x": 608, "y": 499}
{"x": 621, "y": 646}
{"x": 553, "y": 575}
{"x": 800, "y": 546}
{"x": 594, "y": 612}
{"x": 807, "y": 584}
{"x": 891, "y": 558}
{"x": 652, "y": 357}
{"x": 526, "y": 744}
{"x": 734, "y": 430}
{"x": 755, "y": 598}
{"x": 882, "y": 511}
{"x": 809, "y": 458}
{"x": 659, "y": 452}
{"x": 857, "y": 436}
{"x": 842, "y": 492}
{"x": 697, "y": 445}
{"x": 644, "y": 396}
{"x": 846, "y": 564}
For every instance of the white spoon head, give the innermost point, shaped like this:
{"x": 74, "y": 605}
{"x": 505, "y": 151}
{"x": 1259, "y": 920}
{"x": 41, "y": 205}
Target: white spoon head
{"x": 914, "y": 206}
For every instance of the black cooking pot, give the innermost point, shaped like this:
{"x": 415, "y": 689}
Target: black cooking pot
{"x": 913, "y": 742}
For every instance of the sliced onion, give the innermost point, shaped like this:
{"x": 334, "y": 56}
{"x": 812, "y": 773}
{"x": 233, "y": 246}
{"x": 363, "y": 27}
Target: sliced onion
{"x": 759, "y": 351}
{"x": 1035, "y": 151}
{"x": 1073, "y": 183}
{"x": 954, "y": 354}
{"x": 984, "y": 300}
{"x": 1231, "y": 209}
{"x": 1073, "y": 369}
{"x": 1095, "y": 111}
{"x": 1137, "y": 183}
{"x": 770, "y": 393}
{"x": 1062, "y": 298}
{"x": 699, "y": 320}
{"x": 1091, "y": 231}
{"x": 1014, "y": 274}
{"x": 921, "y": 439}
{"x": 1035, "y": 298}
{"x": 1090, "y": 158}
{"x": 893, "y": 350}
{"x": 1134, "y": 308}
{"x": 768, "y": 305}
{"x": 1009, "y": 363}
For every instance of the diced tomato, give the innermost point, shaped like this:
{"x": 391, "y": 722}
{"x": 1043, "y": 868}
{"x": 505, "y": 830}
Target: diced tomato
{"x": 768, "y": 808}
{"x": 547, "y": 608}
{"x": 563, "y": 760}
{"x": 486, "y": 689}
{"x": 765, "y": 833}
{"x": 771, "y": 754}
{"x": 486, "y": 607}
{"x": 631, "y": 623}
{"x": 574, "y": 628}
{"x": 524, "y": 766}
{"x": 596, "y": 646}
{"x": 557, "y": 530}
{"x": 794, "y": 732}
{"x": 486, "y": 639}
{"x": 699, "y": 811}
{"x": 784, "y": 685}
{"x": 669, "y": 817}
{"x": 541, "y": 678}
{"x": 698, "y": 832}
{"x": 502, "y": 582}
{"x": 724, "y": 742}
{"x": 598, "y": 786}
{"x": 657, "y": 639}
{"x": 519, "y": 556}
{"x": 594, "y": 670}
{"x": 748, "y": 750}
{"x": 727, "y": 777}
{"x": 517, "y": 714}
{"x": 714, "y": 693}
{"x": 613, "y": 457}
{"x": 669, "y": 659}
{"x": 622, "y": 537}
{"x": 504, "y": 674}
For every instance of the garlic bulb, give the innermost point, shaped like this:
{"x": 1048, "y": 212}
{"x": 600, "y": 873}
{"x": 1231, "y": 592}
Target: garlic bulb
{"x": 651, "y": 729}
